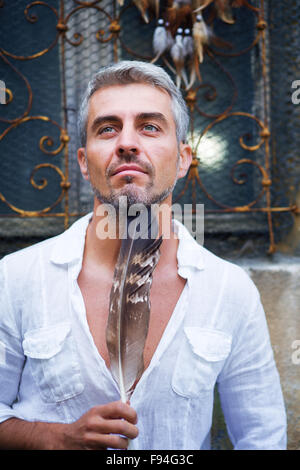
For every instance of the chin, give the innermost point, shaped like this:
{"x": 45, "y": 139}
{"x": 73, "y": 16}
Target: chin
{"x": 134, "y": 195}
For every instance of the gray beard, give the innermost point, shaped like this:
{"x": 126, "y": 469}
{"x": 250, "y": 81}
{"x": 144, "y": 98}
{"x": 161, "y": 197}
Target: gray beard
{"x": 134, "y": 195}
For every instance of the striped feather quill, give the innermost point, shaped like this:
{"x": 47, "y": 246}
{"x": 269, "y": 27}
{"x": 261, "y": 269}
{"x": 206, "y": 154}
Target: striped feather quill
{"x": 129, "y": 308}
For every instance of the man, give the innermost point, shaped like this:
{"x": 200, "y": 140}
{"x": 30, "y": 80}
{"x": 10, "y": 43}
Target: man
{"x": 207, "y": 324}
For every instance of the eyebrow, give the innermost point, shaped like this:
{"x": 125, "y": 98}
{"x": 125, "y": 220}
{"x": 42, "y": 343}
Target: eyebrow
{"x": 155, "y": 116}
{"x": 102, "y": 119}
{"x": 140, "y": 117}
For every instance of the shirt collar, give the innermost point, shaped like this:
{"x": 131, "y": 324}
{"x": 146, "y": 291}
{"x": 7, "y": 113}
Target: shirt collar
{"x": 189, "y": 253}
{"x": 69, "y": 246}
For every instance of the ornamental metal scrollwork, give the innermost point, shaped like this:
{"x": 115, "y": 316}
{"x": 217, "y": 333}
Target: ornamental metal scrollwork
{"x": 112, "y": 33}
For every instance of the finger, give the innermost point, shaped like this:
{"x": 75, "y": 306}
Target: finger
{"x": 116, "y": 426}
{"x": 116, "y": 410}
{"x": 118, "y": 442}
{"x": 105, "y": 441}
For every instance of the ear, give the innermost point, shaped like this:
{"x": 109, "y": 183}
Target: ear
{"x": 185, "y": 159}
{"x": 81, "y": 157}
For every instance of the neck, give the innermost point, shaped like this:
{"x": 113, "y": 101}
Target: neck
{"x": 103, "y": 239}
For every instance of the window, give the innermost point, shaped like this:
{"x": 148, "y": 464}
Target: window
{"x": 245, "y": 169}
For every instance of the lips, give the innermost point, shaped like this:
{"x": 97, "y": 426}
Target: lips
{"x": 128, "y": 168}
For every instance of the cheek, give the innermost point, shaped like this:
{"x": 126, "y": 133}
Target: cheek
{"x": 166, "y": 171}
{"x": 97, "y": 146}
{"x": 170, "y": 161}
{"x": 97, "y": 157}
{"x": 164, "y": 155}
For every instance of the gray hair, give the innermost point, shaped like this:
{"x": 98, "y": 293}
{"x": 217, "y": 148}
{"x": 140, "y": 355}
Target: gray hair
{"x": 132, "y": 71}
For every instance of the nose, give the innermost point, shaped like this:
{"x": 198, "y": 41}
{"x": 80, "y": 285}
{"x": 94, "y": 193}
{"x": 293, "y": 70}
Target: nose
{"x": 127, "y": 142}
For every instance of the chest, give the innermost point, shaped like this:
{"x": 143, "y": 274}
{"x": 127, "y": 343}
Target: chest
{"x": 164, "y": 295}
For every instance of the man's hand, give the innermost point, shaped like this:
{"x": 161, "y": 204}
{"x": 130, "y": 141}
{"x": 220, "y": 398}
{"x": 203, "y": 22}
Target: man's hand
{"x": 102, "y": 427}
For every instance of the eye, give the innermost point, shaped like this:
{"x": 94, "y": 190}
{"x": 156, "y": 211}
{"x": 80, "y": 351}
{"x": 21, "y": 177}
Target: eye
{"x": 106, "y": 130}
{"x": 150, "y": 128}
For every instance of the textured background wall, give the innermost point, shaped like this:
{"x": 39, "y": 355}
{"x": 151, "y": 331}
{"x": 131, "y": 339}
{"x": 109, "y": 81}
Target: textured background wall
{"x": 277, "y": 278}
{"x": 279, "y": 286}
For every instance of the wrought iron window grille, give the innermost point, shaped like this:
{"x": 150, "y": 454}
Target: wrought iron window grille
{"x": 114, "y": 34}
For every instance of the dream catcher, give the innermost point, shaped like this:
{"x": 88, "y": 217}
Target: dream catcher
{"x": 182, "y": 35}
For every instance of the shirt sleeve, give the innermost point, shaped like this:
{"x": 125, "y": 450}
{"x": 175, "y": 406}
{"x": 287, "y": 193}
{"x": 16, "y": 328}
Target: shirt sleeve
{"x": 11, "y": 352}
{"x": 249, "y": 386}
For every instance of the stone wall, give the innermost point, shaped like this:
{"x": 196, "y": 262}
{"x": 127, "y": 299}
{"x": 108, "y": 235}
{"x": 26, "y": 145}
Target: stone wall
{"x": 279, "y": 286}
{"x": 277, "y": 278}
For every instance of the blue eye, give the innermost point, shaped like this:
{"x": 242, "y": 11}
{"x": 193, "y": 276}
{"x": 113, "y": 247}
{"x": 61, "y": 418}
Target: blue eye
{"x": 106, "y": 130}
{"x": 150, "y": 127}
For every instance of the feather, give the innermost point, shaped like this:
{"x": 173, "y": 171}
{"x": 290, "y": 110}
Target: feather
{"x": 143, "y": 6}
{"x": 160, "y": 41}
{"x": 154, "y": 5}
{"x": 201, "y": 35}
{"x": 170, "y": 39}
{"x": 189, "y": 54}
{"x": 178, "y": 15}
{"x": 194, "y": 72}
{"x": 188, "y": 43}
{"x": 224, "y": 11}
{"x": 199, "y": 5}
{"x": 129, "y": 307}
{"x": 177, "y": 55}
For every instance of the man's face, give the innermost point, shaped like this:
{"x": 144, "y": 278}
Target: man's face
{"x": 131, "y": 147}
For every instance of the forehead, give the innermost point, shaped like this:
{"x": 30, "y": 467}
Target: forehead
{"x": 130, "y": 99}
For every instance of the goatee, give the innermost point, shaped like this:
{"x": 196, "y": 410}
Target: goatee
{"x": 134, "y": 194}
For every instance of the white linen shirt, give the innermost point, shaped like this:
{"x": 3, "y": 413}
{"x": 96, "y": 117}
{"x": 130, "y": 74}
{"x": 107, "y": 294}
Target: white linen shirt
{"x": 51, "y": 370}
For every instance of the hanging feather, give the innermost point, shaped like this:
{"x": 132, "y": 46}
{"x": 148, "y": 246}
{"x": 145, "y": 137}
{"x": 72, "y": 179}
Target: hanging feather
{"x": 177, "y": 15}
{"x": 177, "y": 55}
{"x": 170, "y": 39}
{"x": 188, "y": 43}
{"x": 143, "y": 6}
{"x": 224, "y": 11}
{"x": 223, "y": 7}
{"x": 154, "y": 5}
{"x": 194, "y": 71}
{"x": 160, "y": 41}
{"x": 201, "y": 35}
{"x": 129, "y": 307}
{"x": 199, "y": 5}
{"x": 189, "y": 54}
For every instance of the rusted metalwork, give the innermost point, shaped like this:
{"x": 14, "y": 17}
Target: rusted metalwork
{"x": 112, "y": 33}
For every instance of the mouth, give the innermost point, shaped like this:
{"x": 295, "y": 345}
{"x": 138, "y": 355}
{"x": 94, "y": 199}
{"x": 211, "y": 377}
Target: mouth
{"x": 128, "y": 170}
